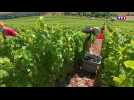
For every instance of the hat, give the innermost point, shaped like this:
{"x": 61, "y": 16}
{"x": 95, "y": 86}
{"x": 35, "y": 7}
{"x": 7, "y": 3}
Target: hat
{"x": 87, "y": 29}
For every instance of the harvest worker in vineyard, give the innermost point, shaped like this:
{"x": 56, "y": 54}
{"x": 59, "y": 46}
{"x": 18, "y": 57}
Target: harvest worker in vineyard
{"x": 94, "y": 37}
{"x": 92, "y": 48}
{"x": 93, "y": 34}
{"x": 7, "y": 31}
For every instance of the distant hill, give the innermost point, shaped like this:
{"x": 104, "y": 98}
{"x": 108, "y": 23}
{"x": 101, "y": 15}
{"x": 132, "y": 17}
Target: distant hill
{"x": 18, "y": 13}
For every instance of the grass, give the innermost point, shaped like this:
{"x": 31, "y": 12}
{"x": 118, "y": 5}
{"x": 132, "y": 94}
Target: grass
{"x": 66, "y": 20}
{"x": 72, "y": 21}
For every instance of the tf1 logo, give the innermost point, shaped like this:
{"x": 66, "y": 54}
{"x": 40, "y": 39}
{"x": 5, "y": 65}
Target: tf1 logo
{"x": 121, "y": 17}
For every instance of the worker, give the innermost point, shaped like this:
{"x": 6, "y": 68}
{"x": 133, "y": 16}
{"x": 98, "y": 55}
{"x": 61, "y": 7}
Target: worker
{"x": 97, "y": 45}
{"x": 88, "y": 32}
{"x": 92, "y": 46}
{"x": 7, "y": 31}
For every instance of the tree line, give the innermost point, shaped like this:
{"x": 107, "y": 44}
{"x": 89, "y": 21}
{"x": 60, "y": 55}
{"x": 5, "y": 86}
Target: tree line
{"x": 90, "y": 14}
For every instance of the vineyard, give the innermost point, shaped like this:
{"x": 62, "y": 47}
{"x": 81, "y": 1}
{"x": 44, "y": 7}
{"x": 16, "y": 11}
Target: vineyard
{"x": 45, "y": 52}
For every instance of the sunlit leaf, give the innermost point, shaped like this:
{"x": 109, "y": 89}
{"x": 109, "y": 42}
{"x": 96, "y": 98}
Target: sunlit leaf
{"x": 3, "y": 74}
{"x": 129, "y": 64}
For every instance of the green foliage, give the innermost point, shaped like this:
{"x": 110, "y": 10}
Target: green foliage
{"x": 129, "y": 64}
{"x": 117, "y": 59}
{"x": 43, "y": 53}
{"x": 40, "y": 54}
